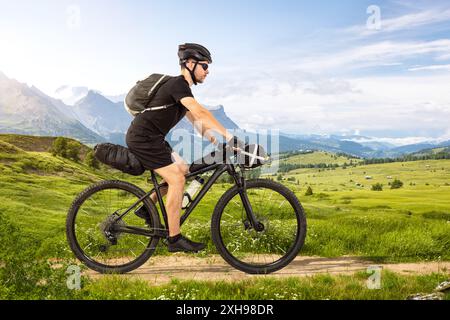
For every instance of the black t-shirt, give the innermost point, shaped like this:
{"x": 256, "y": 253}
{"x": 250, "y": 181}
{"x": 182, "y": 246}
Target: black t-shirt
{"x": 161, "y": 121}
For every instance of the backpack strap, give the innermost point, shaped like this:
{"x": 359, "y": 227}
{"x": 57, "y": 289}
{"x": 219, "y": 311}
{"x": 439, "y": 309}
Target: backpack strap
{"x": 159, "y": 108}
{"x": 152, "y": 93}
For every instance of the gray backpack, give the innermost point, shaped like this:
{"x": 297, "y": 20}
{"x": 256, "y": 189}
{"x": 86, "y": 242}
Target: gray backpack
{"x": 139, "y": 98}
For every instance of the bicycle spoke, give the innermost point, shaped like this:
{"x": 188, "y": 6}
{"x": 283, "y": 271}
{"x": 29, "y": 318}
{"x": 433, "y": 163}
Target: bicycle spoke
{"x": 87, "y": 246}
{"x": 85, "y": 211}
{"x": 95, "y": 232}
{"x": 92, "y": 199}
{"x": 259, "y": 248}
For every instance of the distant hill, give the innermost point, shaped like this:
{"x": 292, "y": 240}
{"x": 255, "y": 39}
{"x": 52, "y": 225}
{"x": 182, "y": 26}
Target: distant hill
{"x": 413, "y": 148}
{"x": 218, "y": 112}
{"x": 445, "y": 144}
{"x": 28, "y": 143}
{"x": 106, "y": 118}
{"x": 95, "y": 118}
{"x": 325, "y": 143}
{"x": 63, "y": 108}
{"x": 34, "y": 143}
{"x": 110, "y": 119}
{"x": 319, "y": 157}
{"x": 8, "y": 148}
{"x": 70, "y": 95}
{"x": 24, "y": 110}
{"x": 17, "y": 163}
{"x": 431, "y": 152}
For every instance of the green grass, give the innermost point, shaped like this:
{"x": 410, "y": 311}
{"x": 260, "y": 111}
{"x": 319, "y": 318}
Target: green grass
{"x": 319, "y": 157}
{"x": 26, "y": 276}
{"x": 407, "y": 224}
{"x": 320, "y": 287}
{"x": 34, "y": 143}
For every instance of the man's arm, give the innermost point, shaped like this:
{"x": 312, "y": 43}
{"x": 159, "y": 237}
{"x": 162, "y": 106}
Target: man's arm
{"x": 206, "y": 133}
{"x": 204, "y": 121}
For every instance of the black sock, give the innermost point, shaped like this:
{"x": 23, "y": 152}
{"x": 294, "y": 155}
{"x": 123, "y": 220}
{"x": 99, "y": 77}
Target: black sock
{"x": 174, "y": 238}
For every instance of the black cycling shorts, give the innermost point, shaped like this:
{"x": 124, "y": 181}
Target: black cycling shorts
{"x": 151, "y": 149}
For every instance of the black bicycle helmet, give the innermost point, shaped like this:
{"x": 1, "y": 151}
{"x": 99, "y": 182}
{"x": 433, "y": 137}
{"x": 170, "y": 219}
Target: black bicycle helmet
{"x": 193, "y": 51}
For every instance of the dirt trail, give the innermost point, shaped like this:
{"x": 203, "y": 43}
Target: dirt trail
{"x": 160, "y": 270}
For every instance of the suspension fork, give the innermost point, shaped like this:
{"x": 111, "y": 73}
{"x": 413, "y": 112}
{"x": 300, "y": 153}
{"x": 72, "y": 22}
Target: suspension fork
{"x": 242, "y": 189}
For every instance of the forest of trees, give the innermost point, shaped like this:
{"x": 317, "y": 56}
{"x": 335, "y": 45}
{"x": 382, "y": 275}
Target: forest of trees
{"x": 437, "y": 156}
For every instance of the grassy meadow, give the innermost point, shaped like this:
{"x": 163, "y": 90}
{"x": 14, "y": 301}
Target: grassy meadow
{"x": 316, "y": 158}
{"x": 345, "y": 217}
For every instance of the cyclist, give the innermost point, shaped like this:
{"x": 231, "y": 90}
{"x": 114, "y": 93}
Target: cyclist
{"x": 146, "y": 135}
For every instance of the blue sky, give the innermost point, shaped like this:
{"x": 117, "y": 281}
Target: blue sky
{"x": 301, "y": 66}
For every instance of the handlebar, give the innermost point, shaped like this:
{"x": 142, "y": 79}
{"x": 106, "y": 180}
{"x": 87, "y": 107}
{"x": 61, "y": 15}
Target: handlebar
{"x": 255, "y": 156}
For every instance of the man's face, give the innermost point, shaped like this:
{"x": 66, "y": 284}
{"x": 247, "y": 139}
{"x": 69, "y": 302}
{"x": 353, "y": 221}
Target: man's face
{"x": 200, "y": 72}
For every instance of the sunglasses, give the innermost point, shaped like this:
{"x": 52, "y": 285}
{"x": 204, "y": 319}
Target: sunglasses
{"x": 205, "y": 66}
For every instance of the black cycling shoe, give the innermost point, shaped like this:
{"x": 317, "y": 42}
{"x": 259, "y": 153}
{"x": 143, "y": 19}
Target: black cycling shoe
{"x": 143, "y": 214}
{"x": 185, "y": 245}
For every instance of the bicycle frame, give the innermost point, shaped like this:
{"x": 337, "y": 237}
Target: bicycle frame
{"x": 219, "y": 169}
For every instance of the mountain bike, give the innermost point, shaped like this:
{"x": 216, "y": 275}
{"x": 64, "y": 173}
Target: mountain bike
{"x": 258, "y": 226}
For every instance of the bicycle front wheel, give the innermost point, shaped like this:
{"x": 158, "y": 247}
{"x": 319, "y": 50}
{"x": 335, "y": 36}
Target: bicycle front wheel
{"x": 271, "y": 246}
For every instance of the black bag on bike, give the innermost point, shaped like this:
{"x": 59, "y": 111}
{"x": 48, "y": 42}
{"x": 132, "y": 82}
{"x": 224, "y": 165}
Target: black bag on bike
{"x": 253, "y": 157}
{"x": 119, "y": 158}
{"x": 250, "y": 160}
{"x": 214, "y": 157}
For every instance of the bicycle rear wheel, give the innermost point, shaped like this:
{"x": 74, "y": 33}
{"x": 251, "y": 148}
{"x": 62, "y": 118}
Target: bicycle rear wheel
{"x": 93, "y": 227}
{"x": 282, "y": 233}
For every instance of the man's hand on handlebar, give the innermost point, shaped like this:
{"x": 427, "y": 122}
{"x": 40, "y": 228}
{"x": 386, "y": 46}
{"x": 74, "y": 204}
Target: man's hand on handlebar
{"x": 234, "y": 144}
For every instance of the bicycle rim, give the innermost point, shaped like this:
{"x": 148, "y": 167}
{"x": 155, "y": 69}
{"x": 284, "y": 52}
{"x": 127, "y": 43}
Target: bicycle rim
{"x": 92, "y": 228}
{"x": 266, "y": 250}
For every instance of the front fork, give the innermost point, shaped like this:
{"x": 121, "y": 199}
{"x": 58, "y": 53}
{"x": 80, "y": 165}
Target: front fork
{"x": 242, "y": 189}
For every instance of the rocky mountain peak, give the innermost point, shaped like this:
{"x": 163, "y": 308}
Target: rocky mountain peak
{"x": 219, "y": 108}
{"x": 3, "y": 76}
{"x": 93, "y": 97}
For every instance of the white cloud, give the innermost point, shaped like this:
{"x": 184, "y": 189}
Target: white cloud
{"x": 411, "y": 103}
{"x": 443, "y": 57}
{"x": 329, "y": 86}
{"x": 431, "y": 68}
{"x": 394, "y": 141}
{"x": 404, "y": 22}
{"x": 444, "y": 137}
{"x": 414, "y": 20}
{"x": 378, "y": 54}
{"x": 404, "y": 141}
{"x": 301, "y": 94}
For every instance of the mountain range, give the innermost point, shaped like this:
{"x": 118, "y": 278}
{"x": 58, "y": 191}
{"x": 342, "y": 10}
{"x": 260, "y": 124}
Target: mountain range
{"x": 91, "y": 117}
{"x": 106, "y": 118}
{"x": 26, "y": 110}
